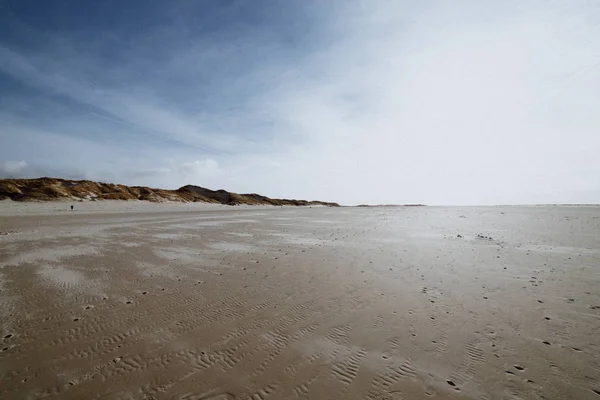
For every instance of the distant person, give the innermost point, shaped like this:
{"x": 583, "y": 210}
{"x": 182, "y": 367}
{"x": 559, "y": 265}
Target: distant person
{"x": 72, "y": 207}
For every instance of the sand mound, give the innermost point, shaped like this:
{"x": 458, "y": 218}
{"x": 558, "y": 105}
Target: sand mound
{"x": 47, "y": 189}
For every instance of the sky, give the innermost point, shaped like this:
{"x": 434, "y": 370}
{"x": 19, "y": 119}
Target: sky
{"x": 355, "y": 101}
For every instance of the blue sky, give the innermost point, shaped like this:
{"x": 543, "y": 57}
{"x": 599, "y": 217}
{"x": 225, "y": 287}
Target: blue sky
{"x": 353, "y": 101}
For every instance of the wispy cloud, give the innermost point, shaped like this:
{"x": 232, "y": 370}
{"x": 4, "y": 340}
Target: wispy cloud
{"x": 137, "y": 109}
{"x": 351, "y": 101}
{"x": 13, "y": 168}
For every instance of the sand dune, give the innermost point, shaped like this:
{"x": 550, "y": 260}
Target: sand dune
{"x": 48, "y": 189}
{"x": 177, "y": 302}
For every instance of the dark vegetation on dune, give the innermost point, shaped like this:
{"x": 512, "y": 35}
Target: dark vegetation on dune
{"x": 48, "y": 189}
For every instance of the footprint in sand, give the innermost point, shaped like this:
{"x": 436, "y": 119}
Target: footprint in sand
{"x": 449, "y": 382}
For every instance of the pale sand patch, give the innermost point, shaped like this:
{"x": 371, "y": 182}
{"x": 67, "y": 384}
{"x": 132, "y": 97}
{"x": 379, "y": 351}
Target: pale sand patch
{"x": 166, "y": 301}
{"x": 234, "y": 247}
{"x": 60, "y": 275}
{"x": 50, "y": 254}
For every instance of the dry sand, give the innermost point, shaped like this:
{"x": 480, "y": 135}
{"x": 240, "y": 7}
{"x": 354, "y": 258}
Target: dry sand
{"x": 206, "y": 302}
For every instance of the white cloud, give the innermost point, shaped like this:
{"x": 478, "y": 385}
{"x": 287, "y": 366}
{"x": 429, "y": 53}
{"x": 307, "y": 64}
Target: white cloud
{"x": 12, "y": 168}
{"x": 470, "y": 104}
{"x": 208, "y": 167}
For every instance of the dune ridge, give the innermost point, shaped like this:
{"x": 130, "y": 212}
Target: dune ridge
{"x": 53, "y": 189}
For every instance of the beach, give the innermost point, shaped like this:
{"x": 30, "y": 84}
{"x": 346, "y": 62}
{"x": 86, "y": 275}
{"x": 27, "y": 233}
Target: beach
{"x": 135, "y": 300}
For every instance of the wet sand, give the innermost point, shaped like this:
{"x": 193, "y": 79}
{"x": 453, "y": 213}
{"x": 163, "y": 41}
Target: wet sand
{"x": 182, "y": 302}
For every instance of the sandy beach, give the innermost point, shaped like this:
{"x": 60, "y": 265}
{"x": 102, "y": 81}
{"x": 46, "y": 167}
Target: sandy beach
{"x": 131, "y": 300}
